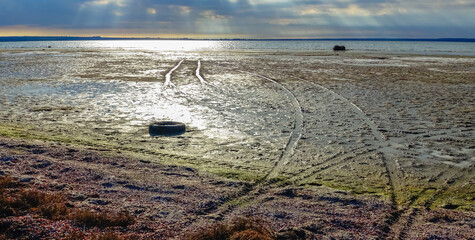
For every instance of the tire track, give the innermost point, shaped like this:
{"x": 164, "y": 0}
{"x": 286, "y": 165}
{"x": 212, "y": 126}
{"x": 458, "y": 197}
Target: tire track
{"x": 374, "y": 129}
{"x": 251, "y": 191}
{"x": 329, "y": 163}
{"x": 390, "y": 167}
{"x": 171, "y": 92}
{"x": 198, "y": 75}
{"x": 398, "y": 219}
{"x": 402, "y": 216}
{"x": 168, "y": 81}
{"x": 456, "y": 180}
{"x": 408, "y": 220}
{"x": 294, "y": 136}
{"x": 410, "y": 212}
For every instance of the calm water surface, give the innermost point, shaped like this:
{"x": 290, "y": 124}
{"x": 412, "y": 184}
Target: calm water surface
{"x": 425, "y": 48}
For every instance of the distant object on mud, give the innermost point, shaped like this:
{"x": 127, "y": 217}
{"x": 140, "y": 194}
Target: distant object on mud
{"x": 339, "y": 48}
{"x": 166, "y": 128}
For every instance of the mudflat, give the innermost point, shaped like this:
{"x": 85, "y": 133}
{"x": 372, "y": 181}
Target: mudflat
{"x": 316, "y": 144}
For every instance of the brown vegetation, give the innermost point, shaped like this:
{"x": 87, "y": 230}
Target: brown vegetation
{"x": 94, "y": 219}
{"x": 102, "y": 236}
{"x": 16, "y": 199}
{"x": 239, "y": 229}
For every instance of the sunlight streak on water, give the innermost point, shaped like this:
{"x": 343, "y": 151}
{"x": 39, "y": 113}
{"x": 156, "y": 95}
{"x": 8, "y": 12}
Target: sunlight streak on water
{"x": 416, "y": 47}
{"x": 144, "y": 103}
{"x": 153, "y": 45}
{"x": 166, "y": 45}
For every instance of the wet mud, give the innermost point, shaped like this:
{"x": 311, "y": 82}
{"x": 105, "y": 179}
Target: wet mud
{"x": 396, "y": 129}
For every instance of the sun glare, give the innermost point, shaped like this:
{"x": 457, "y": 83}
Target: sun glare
{"x": 162, "y": 45}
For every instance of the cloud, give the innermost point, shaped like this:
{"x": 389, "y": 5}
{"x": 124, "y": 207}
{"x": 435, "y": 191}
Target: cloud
{"x": 182, "y": 10}
{"x": 210, "y": 14}
{"x": 118, "y": 13}
{"x": 151, "y": 11}
{"x": 283, "y": 21}
{"x": 258, "y": 18}
{"x": 267, "y": 2}
{"x": 347, "y": 10}
{"x": 120, "y": 3}
{"x": 309, "y": 11}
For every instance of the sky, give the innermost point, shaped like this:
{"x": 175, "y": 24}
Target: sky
{"x": 240, "y": 18}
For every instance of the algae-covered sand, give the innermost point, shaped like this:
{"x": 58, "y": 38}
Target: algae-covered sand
{"x": 317, "y": 144}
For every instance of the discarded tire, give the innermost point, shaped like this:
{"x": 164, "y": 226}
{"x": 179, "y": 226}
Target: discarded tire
{"x": 339, "y": 48}
{"x": 166, "y": 128}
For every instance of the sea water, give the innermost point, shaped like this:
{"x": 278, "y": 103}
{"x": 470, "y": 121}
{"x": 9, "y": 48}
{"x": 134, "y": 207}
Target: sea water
{"x": 397, "y": 47}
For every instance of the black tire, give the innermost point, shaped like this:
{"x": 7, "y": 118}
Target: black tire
{"x": 339, "y": 48}
{"x": 166, "y": 128}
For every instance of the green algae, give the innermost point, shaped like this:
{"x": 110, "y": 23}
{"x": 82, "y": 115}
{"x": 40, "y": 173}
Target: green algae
{"x": 413, "y": 193}
{"x": 235, "y": 174}
{"x": 164, "y": 157}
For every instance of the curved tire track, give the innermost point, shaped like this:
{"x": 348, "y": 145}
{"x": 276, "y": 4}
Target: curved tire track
{"x": 390, "y": 167}
{"x": 374, "y": 129}
{"x": 247, "y": 193}
{"x": 198, "y": 75}
{"x": 168, "y": 81}
{"x": 294, "y": 136}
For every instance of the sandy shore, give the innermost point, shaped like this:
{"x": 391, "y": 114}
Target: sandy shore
{"x": 349, "y": 144}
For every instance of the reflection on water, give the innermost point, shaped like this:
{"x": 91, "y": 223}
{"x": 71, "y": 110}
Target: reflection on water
{"x": 400, "y": 47}
{"x": 167, "y": 45}
{"x": 153, "y": 45}
{"x": 128, "y": 90}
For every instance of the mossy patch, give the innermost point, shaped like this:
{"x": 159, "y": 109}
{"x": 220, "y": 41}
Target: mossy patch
{"x": 358, "y": 189}
{"x": 29, "y": 133}
{"x": 280, "y": 180}
{"x": 235, "y": 174}
{"x": 164, "y": 156}
{"x": 462, "y": 197}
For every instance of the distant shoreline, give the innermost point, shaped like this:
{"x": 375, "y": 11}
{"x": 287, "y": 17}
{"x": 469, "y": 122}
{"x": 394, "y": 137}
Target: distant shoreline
{"x": 98, "y": 38}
